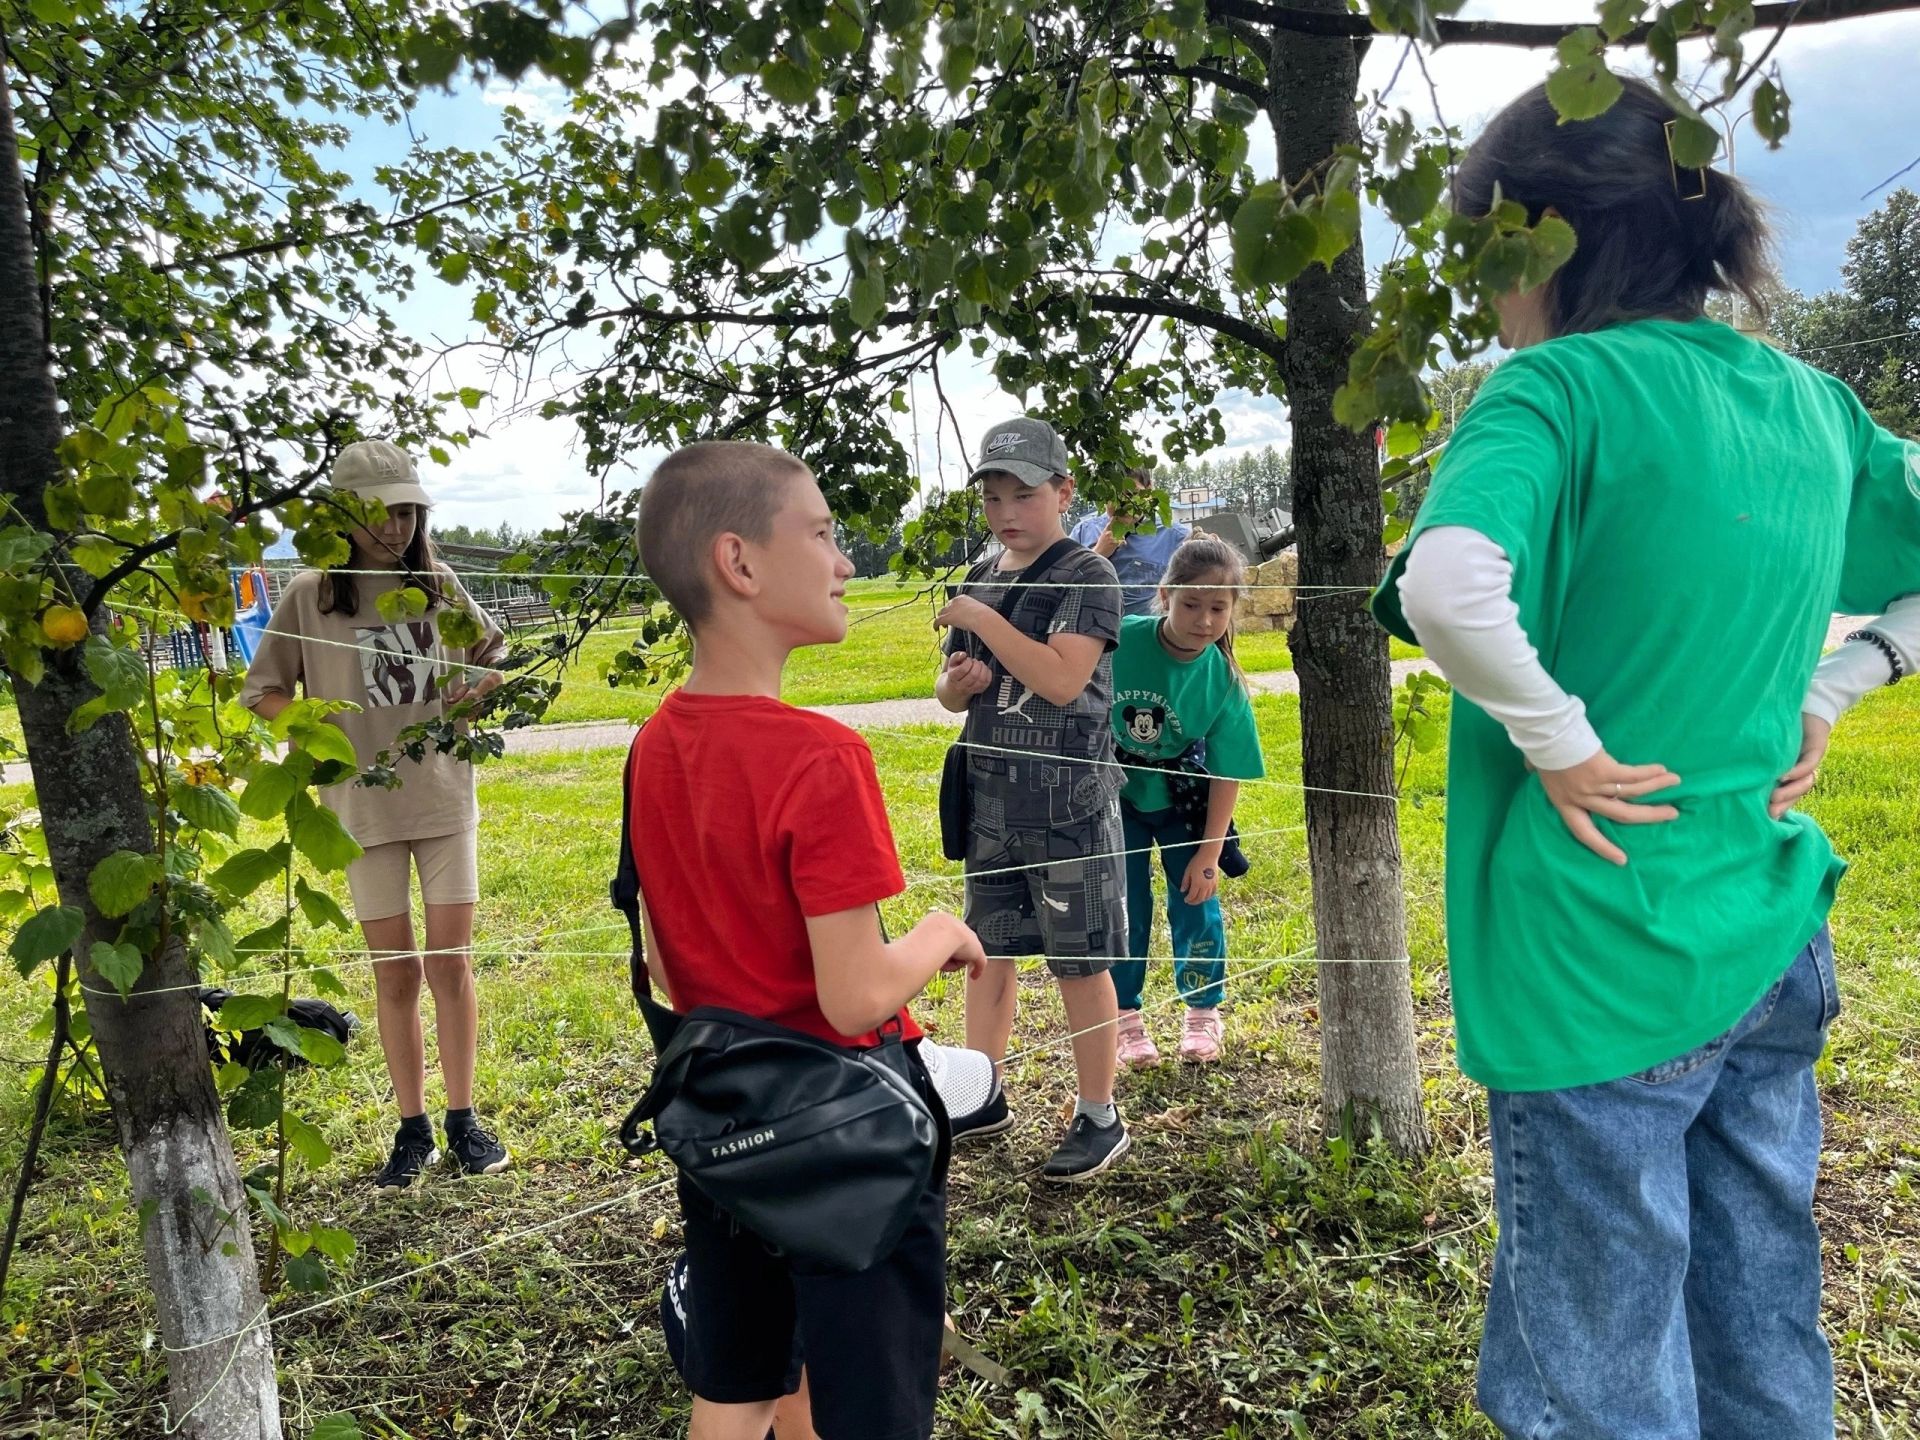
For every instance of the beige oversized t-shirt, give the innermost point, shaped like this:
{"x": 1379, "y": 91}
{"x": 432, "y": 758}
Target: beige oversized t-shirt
{"x": 394, "y": 673}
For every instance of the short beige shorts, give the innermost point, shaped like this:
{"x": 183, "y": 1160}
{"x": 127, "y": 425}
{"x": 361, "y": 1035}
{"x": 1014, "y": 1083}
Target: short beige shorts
{"x": 449, "y": 875}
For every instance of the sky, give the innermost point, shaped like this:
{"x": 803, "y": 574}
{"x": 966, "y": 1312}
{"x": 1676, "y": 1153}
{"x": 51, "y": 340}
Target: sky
{"x": 1856, "y": 121}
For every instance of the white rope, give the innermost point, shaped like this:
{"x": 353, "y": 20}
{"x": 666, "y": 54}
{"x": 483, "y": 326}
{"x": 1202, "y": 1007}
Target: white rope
{"x": 947, "y": 739}
{"x": 513, "y": 1237}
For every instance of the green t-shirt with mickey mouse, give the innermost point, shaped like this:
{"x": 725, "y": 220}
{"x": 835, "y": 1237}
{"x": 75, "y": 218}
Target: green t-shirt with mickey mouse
{"x": 1684, "y": 508}
{"x": 1162, "y": 705}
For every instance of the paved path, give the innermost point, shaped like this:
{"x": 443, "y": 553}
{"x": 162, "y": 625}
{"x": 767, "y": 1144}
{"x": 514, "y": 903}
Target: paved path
{"x": 882, "y": 714}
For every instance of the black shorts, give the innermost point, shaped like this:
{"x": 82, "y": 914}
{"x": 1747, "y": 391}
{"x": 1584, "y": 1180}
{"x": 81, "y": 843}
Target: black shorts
{"x": 871, "y": 1339}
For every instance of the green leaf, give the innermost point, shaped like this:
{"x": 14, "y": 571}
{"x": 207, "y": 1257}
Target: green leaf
{"x": 250, "y": 869}
{"x": 118, "y": 965}
{"x": 44, "y": 936}
{"x": 121, "y": 676}
{"x": 216, "y": 942}
{"x": 788, "y": 83}
{"x": 337, "y": 1245}
{"x": 403, "y": 603}
{"x": 459, "y": 629}
{"x": 306, "y": 1274}
{"x": 1695, "y": 143}
{"x": 271, "y": 786}
{"x": 320, "y": 908}
{"x": 426, "y": 232}
{"x": 122, "y": 880}
{"x": 1770, "y": 112}
{"x": 319, "y": 835}
{"x": 1273, "y": 239}
{"x": 207, "y": 807}
{"x": 710, "y": 182}
{"x": 867, "y": 298}
{"x": 957, "y": 64}
{"x": 321, "y": 1048}
{"x": 256, "y": 1104}
{"x": 1581, "y": 87}
{"x": 319, "y": 741}
{"x": 1409, "y": 195}
{"x": 338, "y": 1426}
{"x": 284, "y": 1033}
{"x": 249, "y": 1012}
{"x": 267, "y": 940}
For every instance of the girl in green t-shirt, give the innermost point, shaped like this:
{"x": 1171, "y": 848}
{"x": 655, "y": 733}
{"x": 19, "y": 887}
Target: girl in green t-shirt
{"x": 1627, "y": 565}
{"x": 1180, "y": 706}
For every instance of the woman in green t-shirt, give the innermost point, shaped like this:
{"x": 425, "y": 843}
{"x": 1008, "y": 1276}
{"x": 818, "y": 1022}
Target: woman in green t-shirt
{"x": 1633, "y": 548}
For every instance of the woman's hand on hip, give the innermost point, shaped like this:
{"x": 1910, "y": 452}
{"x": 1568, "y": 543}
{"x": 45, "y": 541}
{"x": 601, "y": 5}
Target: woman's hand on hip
{"x": 1601, "y": 785}
{"x": 1814, "y": 734}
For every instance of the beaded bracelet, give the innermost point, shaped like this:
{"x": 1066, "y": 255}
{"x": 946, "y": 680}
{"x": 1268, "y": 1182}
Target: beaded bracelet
{"x": 1885, "y": 647}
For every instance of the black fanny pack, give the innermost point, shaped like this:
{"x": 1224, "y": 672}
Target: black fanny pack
{"x": 956, "y": 801}
{"x": 821, "y": 1150}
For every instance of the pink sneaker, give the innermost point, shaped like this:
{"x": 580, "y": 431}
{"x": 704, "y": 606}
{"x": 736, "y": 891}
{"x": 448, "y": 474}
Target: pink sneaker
{"x": 1200, "y": 1041}
{"x": 1135, "y": 1045}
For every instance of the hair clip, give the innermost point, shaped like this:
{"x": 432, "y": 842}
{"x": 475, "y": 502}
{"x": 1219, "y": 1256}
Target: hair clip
{"x": 1673, "y": 166}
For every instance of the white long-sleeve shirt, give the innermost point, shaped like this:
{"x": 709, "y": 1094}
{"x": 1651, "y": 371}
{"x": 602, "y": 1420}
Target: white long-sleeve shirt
{"x": 1457, "y": 594}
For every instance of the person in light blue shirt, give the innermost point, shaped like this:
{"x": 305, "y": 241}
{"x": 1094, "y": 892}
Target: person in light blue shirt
{"x": 1141, "y": 558}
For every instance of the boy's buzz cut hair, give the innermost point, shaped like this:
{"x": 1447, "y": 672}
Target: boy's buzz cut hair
{"x": 701, "y": 492}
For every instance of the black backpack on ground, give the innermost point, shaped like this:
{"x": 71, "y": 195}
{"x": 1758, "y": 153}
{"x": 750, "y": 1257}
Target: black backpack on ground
{"x": 252, "y": 1048}
{"x": 821, "y": 1150}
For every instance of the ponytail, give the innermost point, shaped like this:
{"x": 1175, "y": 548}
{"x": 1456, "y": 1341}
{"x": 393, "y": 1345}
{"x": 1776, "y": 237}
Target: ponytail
{"x": 1651, "y": 239}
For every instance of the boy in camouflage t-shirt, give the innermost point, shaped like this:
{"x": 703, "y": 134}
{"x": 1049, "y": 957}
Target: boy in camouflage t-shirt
{"x": 1045, "y": 875}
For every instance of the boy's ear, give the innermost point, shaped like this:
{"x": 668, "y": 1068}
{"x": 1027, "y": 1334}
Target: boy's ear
{"x": 1065, "y": 489}
{"x": 731, "y": 564}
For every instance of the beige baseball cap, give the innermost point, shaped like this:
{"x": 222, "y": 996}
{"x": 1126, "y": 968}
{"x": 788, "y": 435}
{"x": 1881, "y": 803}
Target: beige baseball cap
{"x": 379, "y": 470}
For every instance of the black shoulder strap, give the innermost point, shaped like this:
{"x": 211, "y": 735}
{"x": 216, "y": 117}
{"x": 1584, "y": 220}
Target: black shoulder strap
{"x": 625, "y": 890}
{"x": 1049, "y": 557}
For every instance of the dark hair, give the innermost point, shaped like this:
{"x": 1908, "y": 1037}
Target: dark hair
{"x": 1652, "y": 239}
{"x": 1210, "y": 561}
{"x": 340, "y": 589}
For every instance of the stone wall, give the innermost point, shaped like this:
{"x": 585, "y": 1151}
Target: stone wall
{"x": 1269, "y": 609}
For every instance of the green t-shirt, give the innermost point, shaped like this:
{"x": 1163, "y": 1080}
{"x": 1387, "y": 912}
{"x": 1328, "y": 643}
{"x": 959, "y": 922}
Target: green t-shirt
{"x": 1684, "y": 508}
{"x": 1162, "y": 705}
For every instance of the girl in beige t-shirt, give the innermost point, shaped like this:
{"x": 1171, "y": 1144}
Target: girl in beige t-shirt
{"x": 328, "y": 638}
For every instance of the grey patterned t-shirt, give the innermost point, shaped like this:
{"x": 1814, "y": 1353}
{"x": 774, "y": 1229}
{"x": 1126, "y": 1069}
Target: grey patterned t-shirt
{"x": 1061, "y": 769}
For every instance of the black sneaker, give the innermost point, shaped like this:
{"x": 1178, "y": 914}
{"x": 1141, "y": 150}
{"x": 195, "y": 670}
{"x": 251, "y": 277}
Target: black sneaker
{"x": 1087, "y": 1150}
{"x": 476, "y": 1150}
{"x": 412, "y": 1153}
{"x": 990, "y": 1119}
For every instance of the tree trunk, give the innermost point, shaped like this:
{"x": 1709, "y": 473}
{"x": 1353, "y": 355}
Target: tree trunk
{"x": 1369, "y": 1065}
{"x": 152, "y": 1046}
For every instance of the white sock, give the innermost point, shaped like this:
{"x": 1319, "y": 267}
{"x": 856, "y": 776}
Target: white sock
{"x": 1103, "y": 1114}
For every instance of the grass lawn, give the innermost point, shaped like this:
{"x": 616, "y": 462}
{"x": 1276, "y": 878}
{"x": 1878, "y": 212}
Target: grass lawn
{"x": 891, "y": 653}
{"x": 1239, "y": 1277}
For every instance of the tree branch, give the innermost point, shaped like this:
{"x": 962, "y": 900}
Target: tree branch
{"x": 1226, "y": 80}
{"x": 287, "y": 239}
{"x": 1528, "y": 35}
{"x": 1234, "y": 327}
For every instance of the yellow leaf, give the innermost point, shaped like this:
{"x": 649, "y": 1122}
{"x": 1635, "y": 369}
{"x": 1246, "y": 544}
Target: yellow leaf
{"x": 64, "y": 625}
{"x": 660, "y": 1228}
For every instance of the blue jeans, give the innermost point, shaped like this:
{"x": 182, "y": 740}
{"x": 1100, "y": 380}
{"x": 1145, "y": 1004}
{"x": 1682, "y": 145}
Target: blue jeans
{"x": 1199, "y": 934}
{"x": 1658, "y": 1270}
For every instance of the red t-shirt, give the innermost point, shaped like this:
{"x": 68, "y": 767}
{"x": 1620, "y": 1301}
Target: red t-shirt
{"x": 749, "y": 816}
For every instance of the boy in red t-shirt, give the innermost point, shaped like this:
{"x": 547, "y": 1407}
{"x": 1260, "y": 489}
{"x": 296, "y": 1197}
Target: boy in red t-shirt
{"x": 763, "y": 849}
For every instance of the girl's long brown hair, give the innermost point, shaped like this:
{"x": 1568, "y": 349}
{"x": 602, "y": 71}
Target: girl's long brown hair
{"x": 1208, "y": 560}
{"x": 420, "y": 565}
